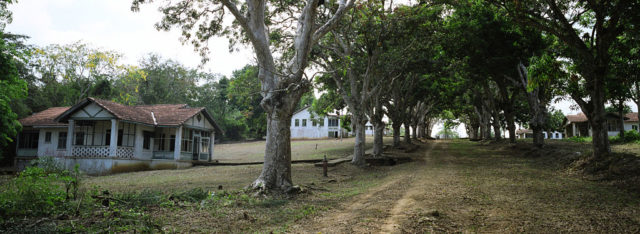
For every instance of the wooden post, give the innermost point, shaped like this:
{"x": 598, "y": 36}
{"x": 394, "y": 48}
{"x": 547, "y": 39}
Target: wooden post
{"x": 324, "y": 166}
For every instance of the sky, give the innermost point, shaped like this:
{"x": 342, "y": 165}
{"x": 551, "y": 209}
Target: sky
{"x": 111, "y": 25}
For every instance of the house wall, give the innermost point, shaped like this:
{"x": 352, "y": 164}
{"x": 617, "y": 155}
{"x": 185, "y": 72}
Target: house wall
{"x": 310, "y": 131}
{"x": 50, "y": 148}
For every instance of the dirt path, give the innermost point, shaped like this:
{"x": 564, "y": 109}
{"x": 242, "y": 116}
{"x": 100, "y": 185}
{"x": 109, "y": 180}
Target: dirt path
{"x": 460, "y": 187}
{"x": 379, "y": 208}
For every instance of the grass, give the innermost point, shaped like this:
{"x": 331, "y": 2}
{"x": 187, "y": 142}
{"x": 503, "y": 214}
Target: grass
{"x": 471, "y": 186}
{"x": 300, "y": 149}
{"x": 509, "y": 191}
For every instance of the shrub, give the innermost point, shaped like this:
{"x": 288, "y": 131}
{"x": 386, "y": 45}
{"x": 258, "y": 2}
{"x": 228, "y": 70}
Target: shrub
{"x": 39, "y": 190}
{"x": 629, "y": 136}
{"x": 578, "y": 139}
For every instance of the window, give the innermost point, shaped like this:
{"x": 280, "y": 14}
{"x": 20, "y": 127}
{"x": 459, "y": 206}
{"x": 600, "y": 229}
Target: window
{"x": 187, "y": 140}
{"x": 333, "y": 122}
{"x": 613, "y": 125}
{"x": 28, "y": 140}
{"x": 146, "y": 142}
{"x": 172, "y": 143}
{"x": 204, "y": 145}
{"x": 321, "y": 123}
{"x": 47, "y": 137}
{"x": 126, "y": 134}
{"x": 107, "y": 137}
{"x": 160, "y": 142}
{"x": 62, "y": 140}
{"x": 79, "y": 138}
{"x": 634, "y": 127}
{"x": 313, "y": 123}
{"x": 297, "y": 122}
{"x": 304, "y": 123}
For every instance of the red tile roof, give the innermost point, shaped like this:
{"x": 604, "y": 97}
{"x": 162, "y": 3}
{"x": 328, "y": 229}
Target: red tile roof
{"x": 578, "y": 118}
{"x": 156, "y": 115}
{"x": 45, "y": 117}
{"x": 633, "y": 117}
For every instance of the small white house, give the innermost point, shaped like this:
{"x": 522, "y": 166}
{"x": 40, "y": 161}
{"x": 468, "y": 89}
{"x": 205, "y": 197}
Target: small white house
{"x": 105, "y": 137}
{"x": 305, "y": 125}
{"x": 528, "y": 133}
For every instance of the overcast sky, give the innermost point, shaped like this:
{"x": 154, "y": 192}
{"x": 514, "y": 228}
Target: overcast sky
{"x": 110, "y": 24}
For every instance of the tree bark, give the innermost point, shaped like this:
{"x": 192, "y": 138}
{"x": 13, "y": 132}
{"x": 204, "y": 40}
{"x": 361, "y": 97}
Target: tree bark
{"x": 538, "y": 137}
{"x": 396, "y": 134}
{"x": 621, "y": 117}
{"x": 407, "y": 134}
{"x": 511, "y": 126}
{"x": 414, "y": 129}
{"x": 359, "y": 123}
{"x": 276, "y": 170}
{"x": 378, "y": 133}
{"x": 496, "y": 127}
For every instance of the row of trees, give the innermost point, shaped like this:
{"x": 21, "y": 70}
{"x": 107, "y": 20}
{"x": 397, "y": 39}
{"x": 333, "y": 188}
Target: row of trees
{"x": 489, "y": 63}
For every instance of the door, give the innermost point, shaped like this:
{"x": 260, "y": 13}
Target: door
{"x": 196, "y": 147}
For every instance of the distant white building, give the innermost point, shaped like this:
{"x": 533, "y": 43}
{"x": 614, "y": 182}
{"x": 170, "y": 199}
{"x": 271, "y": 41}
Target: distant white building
{"x": 304, "y": 125}
{"x": 528, "y": 133}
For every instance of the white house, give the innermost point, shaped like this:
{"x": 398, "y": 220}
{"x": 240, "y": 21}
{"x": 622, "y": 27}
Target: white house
{"x": 305, "y": 125}
{"x": 105, "y": 137}
{"x": 578, "y": 125}
{"x": 528, "y": 133}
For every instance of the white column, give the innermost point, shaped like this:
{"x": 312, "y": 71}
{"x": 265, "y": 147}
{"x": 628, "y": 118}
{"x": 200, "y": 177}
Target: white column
{"x": 113, "y": 145}
{"x": 574, "y": 129}
{"x": 176, "y": 150}
{"x": 70, "y": 135}
{"x": 211, "y": 144}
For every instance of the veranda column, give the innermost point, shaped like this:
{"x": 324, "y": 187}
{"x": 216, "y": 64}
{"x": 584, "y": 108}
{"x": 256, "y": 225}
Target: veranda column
{"x": 70, "y": 135}
{"x": 176, "y": 150}
{"x": 113, "y": 144}
{"x": 211, "y": 144}
{"x": 574, "y": 129}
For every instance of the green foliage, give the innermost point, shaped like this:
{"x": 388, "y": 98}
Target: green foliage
{"x": 555, "y": 121}
{"x": 12, "y": 87}
{"x": 613, "y": 109}
{"x": 629, "y": 136}
{"x": 39, "y": 191}
{"x": 578, "y": 139}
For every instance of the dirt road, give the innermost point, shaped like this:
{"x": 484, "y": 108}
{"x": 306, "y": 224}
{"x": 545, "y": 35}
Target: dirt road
{"x": 452, "y": 187}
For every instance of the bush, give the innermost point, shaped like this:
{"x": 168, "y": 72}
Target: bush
{"x": 39, "y": 190}
{"x": 578, "y": 139}
{"x": 629, "y": 136}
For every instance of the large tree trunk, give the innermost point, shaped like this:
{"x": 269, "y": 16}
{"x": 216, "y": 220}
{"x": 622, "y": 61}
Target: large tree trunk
{"x": 407, "y": 134}
{"x": 396, "y": 134}
{"x": 496, "y": 127}
{"x": 359, "y": 123}
{"x": 276, "y": 170}
{"x": 511, "y": 126}
{"x": 621, "y": 117}
{"x": 538, "y": 137}
{"x": 378, "y": 143}
{"x": 415, "y": 131}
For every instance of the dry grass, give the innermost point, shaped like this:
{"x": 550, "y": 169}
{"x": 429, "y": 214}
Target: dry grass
{"x": 629, "y": 148}
{"x": 300, "y": 149}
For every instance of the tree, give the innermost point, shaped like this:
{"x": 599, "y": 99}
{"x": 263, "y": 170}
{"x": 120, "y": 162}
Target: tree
{"x": 589, "y": 30}
{"x": 353, "y": 58}
{"x": 244, "y": 94}
{"x": 12, "y": 87}
{"x": 283, "y": 80}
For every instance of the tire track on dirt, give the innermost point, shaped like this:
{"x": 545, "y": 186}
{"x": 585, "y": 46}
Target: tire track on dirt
{"x": 398, "y": 212}
{"x": 365, "y": 212}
